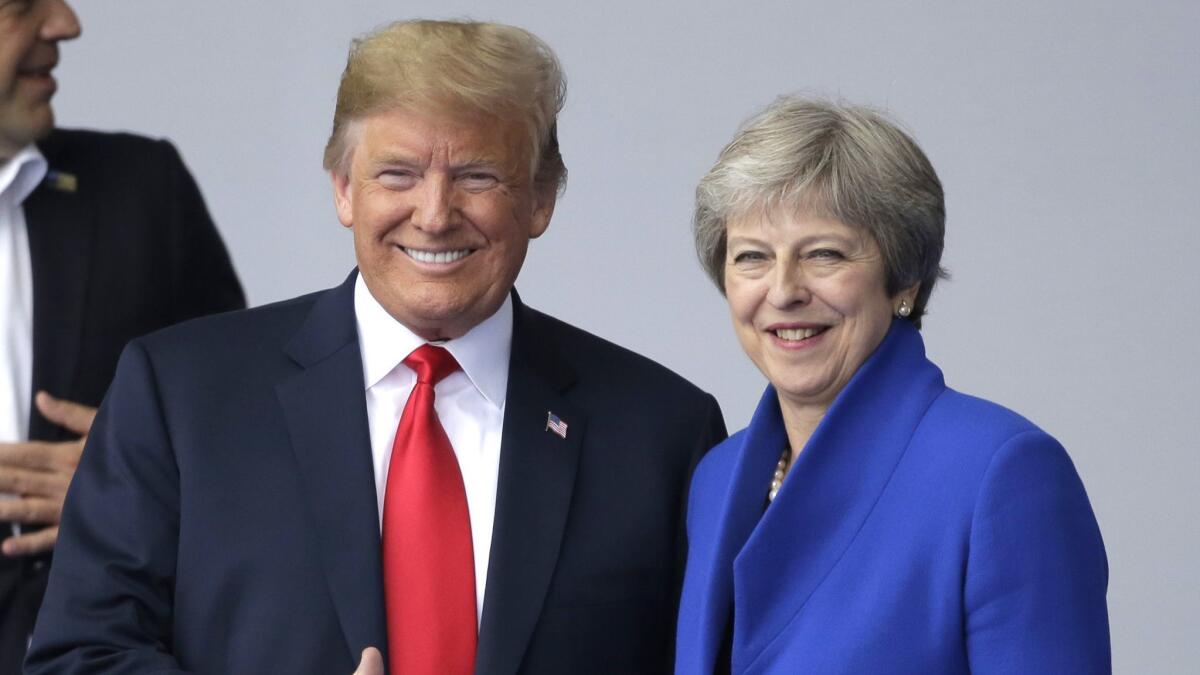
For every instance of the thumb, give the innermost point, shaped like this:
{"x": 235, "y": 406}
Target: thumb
{"x": 371, "y": 663}
{"x": 68, "y": 414}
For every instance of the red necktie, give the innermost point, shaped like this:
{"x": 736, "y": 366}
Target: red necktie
{"x": 428, "y": 564}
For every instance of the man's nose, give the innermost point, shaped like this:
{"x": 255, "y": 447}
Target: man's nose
{"x": 60, "y": 23}
{"x": 435, "y": 209}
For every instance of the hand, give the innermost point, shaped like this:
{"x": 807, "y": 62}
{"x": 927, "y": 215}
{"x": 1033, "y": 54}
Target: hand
{"x": 371, "y": 663}
{"x": 39, "y": 474}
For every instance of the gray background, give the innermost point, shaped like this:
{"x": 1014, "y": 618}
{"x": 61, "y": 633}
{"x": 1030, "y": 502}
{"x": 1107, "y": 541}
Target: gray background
{"x": 1067, "y": 135}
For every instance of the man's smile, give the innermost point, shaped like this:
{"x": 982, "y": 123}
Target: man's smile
{"x": 437, "y": 257}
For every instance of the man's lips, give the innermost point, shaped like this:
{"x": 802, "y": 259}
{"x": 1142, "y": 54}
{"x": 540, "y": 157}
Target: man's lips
{"x": 437, "y": 257}
{"x": 37, "y": 70}
{"x": 40, "y": 78}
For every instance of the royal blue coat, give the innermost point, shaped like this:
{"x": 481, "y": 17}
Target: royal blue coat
{"x": 920, "y": 531}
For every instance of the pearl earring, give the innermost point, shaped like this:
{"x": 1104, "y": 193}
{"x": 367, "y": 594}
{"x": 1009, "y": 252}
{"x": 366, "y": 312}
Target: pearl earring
{"x": 903, "y": 310}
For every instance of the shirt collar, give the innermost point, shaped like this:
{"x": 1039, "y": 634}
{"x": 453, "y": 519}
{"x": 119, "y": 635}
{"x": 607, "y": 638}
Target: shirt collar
{"x": 483, "y": 353}
{"x": 21, "y": 175}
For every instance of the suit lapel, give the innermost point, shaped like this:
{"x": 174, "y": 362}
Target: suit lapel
{"x": 831, "y": 490}
{"x": 325, "y": 411}
{"x": 61, "y": 227}
{"x": 537, "y": 476}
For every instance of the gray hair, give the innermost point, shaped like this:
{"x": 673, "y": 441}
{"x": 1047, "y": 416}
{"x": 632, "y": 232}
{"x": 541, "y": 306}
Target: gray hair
{"x": 834, "y": 160}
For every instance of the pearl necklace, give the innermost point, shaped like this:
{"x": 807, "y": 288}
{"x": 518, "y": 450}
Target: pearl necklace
{"x": 781, "y": 469}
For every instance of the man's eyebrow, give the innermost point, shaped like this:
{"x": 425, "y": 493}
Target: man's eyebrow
{"x": 480, "y": 163}
{"x": 394, "y": 159}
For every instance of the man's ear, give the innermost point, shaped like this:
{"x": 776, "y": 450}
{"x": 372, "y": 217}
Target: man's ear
{"x": 543, "y": 208}
{"x": 342, "y": 198}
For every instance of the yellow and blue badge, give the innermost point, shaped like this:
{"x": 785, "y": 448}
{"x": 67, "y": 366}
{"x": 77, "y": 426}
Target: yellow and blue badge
{"x": 62, "y": 181}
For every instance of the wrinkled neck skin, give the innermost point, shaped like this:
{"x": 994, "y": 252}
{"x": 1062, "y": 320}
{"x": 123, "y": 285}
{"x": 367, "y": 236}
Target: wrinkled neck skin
{"x": 800, "y": 421}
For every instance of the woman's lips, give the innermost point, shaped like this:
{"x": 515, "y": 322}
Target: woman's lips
{"x": 796, "y": 336}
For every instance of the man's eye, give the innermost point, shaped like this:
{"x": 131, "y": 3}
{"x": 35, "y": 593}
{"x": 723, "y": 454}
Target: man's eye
{"x": 16, "y": 5}
{"x": 397, "y": 178}
{"x": 479, "y": 179}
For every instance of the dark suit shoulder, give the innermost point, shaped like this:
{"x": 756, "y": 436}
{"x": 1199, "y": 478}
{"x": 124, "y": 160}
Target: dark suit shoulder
{"x": 248, "y": 332}
{"x": 597, "y": 357}
{"x": 79, "y": 149}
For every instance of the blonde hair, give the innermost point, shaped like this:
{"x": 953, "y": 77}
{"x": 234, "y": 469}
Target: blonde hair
{"x": 454, "y": 67}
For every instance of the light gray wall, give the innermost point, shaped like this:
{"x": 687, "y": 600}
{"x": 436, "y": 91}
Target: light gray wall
{"x": 1067, "y": 135}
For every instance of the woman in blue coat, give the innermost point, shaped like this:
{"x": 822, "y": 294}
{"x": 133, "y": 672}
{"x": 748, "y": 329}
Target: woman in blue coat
{"x": 870, "y": 519}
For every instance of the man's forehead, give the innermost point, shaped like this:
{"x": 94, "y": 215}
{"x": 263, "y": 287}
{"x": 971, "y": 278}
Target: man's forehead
{"x": 404, "y": 137}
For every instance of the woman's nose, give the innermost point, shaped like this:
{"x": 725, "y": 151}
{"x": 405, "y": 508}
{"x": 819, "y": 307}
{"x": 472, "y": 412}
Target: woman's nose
{"x": 788, "y": 286}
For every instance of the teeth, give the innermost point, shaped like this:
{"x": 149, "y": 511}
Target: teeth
{"x": 796, "y": 334}
{"x": 437, "y": 257}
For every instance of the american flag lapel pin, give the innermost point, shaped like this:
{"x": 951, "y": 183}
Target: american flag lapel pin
{"x": 62, "y": 181}
{"x": 555, "y": 424}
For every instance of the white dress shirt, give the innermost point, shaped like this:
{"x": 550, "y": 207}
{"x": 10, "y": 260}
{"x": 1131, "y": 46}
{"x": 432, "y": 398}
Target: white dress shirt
{"x": 469, "y": 403}
{"x": 18, "y": 179}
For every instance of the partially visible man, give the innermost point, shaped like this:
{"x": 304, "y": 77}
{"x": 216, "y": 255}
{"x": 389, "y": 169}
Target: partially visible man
{"x": 413, "y": 461}
{"x": 103, "y": 237}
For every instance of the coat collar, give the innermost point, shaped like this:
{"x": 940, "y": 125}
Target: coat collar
{"x": 482, "y": 353}
{"x": 827, "y": 496}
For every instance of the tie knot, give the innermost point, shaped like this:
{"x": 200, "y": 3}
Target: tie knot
{"x": 431, "y": 363}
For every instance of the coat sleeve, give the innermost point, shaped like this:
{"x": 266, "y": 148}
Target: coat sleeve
{"x": 203, "y": 281}
{"x": 1036, "y": 572}
{"x": 108, "y": 607}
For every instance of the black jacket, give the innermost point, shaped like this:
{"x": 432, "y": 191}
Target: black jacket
{"x": 121, "y": 244}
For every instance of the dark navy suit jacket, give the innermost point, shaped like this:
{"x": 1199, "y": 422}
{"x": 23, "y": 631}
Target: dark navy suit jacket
{"x": 224, "y": 518}
{"x": 920, "y": 531}
{"x": 128, "y": 249}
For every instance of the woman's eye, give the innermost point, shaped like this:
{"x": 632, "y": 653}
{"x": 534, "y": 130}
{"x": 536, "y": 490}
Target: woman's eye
{"x": 748, "y": 257}
{"x": 825, "y": 254}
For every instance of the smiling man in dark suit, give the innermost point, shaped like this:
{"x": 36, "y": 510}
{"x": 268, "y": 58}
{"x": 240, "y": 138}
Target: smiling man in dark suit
{"x": 414, "y": 460}
{"x": 103, "y": 237}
